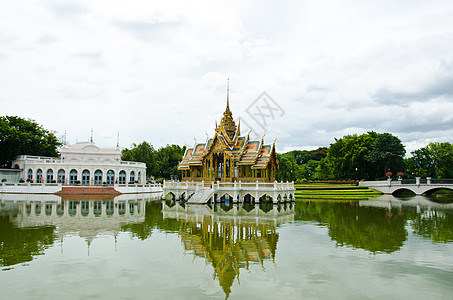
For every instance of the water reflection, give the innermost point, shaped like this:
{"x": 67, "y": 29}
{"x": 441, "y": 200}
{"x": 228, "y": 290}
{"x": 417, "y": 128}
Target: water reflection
{"x": 380, "y": 225}
{"x": 230, "y": 237}
{"x": 29, "y": 225}
{"x": 426, "y": 217}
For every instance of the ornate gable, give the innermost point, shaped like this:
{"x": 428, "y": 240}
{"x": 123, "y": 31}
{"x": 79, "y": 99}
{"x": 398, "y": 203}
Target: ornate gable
{"x": 228, "y": 156}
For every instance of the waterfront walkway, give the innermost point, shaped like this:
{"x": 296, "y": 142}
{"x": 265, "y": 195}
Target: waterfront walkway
{"x": 58, "y": 188}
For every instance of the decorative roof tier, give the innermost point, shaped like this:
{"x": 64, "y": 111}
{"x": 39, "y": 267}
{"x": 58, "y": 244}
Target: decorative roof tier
{"x": 228, "y": 156}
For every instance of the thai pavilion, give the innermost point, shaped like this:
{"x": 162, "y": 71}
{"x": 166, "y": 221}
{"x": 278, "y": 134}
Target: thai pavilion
{"x": 229, "y": 157}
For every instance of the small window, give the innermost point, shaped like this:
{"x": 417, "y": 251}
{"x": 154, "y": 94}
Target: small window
{"x": 39, "y": 176}
{"x": 49, "y": 176}
{"x": 86, "y": 177}
{"x": 122, "y": 177}
{"x": 73, "y": 177}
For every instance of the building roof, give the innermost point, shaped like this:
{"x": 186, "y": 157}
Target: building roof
{"x": 245, "y": 151}
{"x": 89, "y": 147}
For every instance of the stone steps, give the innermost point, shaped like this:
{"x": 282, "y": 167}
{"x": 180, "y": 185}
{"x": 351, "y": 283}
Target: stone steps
{"x": 200, "y": 196}
{"x": 87, "y": 190}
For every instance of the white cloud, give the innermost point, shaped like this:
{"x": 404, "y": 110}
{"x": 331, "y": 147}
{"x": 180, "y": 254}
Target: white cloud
{"x": 157, "y": 71}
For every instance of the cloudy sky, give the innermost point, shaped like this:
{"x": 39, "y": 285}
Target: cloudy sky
{"x": 157, "y": 71}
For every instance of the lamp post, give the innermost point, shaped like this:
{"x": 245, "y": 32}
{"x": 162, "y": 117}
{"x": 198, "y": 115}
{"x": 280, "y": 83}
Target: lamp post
{"x": 356, "y": 176}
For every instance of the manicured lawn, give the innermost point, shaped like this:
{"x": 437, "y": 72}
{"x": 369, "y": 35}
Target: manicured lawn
{"x": 345, "y": 192}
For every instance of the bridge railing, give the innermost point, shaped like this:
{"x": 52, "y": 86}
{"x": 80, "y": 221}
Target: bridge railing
{"x": 442, "y": 181}
{"x": 408, "y": 181}
{"x": 229, "y": 185}
{"x": 418, "y": 181}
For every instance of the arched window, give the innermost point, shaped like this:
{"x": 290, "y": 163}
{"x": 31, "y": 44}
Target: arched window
{"x": 72, "y": 209}
{"x": 85, "y": 208}
{"x": 61, "y": 176}
{"x": 30, "y": 174}
{"x": 73, "y": 177}
{"x": 49, "y": 176}
{"x": 132, "y": 177}
{"x": 131, "y": 207}
{"x": 39, "y": 176}
{"x": 122, "y": 177}
{"x": 121, "y": 208}
{"x": 139, "y": 177}
{"x": 97, "y": 208}
{"x": 37, "y": 209}
{"x": 48, "y": 209}
{"x": 60, "y": 209}
{"x": 85, "y": 177}
{"x": 110, "y": 177}
{"x": 109, "y": 207}
{"x": 97, "y": 177}
{"x": 16, "y": 166}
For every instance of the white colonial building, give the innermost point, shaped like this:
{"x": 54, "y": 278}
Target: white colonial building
{"x": 81, "y": 163}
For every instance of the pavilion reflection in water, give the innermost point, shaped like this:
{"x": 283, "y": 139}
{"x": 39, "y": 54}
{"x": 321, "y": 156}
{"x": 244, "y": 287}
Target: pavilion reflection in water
{"x": 230, "y": 237}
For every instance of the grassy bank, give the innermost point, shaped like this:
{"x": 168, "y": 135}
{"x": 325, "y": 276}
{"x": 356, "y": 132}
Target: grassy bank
{"x": 324, "y": 191}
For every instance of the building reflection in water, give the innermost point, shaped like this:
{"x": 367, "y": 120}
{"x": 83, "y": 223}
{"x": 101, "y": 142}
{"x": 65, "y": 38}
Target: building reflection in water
{"x": 38, "y": 221}
{"x": 230, "y": 237}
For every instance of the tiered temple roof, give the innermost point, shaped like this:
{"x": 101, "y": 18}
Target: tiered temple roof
{"x": 243, "y": 150}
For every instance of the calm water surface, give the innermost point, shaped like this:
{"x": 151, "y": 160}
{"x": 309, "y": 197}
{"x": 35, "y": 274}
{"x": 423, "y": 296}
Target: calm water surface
{"x": 136, "y": 247}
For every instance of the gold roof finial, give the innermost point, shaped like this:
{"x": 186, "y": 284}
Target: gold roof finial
{"x": 228, "y": 93}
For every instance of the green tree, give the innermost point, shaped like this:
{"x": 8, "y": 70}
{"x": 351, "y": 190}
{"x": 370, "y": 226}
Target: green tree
{"x": 371, "y": 153}
{"x": 168, "y": 158}
{"x": 349, "y": 153}
{"x": 434, "y": 160}
{"x": 143, "y": 152}
{"x": 162, "y": 163}
{"x": 287, "y": 168}
{"x": 322, "y": 171}
{"x": 387, "y": 153}
{"x": 300, "y": 164}
{"x": 19, "y": 136}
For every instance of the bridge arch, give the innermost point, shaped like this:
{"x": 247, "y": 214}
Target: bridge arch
{"x": 224, "y": 194}
{"x": 433, "y": 190}
{"x": 249, "y": 198}
{"x": 403, "y": 190}
{"x": 265, "y": 197}
{"x": 170, "y": 195}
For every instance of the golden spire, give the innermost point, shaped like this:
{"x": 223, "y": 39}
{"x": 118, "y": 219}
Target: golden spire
{"x": 228, "y": 93}
{"x": 227, "y": 125}
{"x": 227, "y": 122}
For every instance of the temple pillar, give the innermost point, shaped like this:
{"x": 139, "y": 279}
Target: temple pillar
{"x": 223, "y": 169}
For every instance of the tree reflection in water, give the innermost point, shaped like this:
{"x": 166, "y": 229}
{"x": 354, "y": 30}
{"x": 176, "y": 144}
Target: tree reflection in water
{"x": 18, "y": 245}
{"x": 379, "y": 225}
{"x": 229, "y": 237}
{"x": 28, "y": 227}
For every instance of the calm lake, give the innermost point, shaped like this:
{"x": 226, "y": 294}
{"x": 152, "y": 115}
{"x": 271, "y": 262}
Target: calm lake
{"x": 138, "y": 247}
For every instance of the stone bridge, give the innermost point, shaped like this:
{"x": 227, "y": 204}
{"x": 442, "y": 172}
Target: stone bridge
{"x": 418, "y": 186}
{"x": 202, "y": 192}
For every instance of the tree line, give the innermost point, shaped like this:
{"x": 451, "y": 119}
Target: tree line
{"x": 161, "y": 163}
{"x": 367, "y": 156}
{"x": 20, "y": 136}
